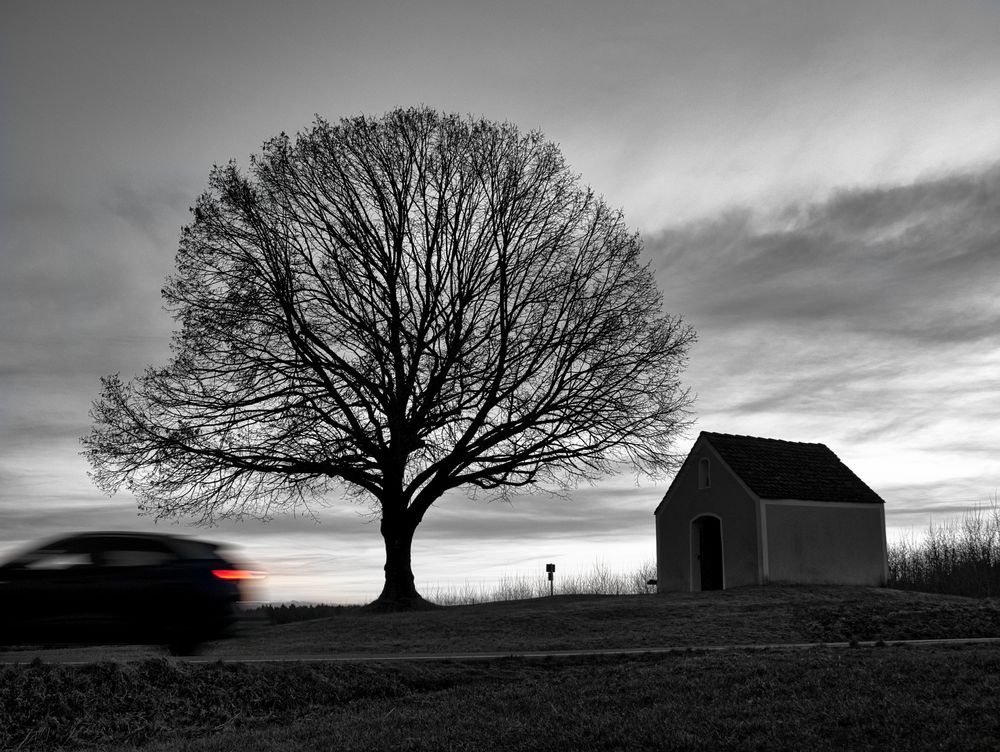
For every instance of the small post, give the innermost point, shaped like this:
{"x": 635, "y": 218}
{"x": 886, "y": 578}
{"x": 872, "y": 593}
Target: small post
{"x": 550, "y": 570}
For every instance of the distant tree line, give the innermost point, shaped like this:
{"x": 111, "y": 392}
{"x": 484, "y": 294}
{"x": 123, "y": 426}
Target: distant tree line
{"x": 286, "y": 613}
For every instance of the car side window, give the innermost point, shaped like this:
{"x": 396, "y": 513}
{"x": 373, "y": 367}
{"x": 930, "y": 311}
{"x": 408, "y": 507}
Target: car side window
{"x": 55, "y": 559}
{"x": 135, "y": 554}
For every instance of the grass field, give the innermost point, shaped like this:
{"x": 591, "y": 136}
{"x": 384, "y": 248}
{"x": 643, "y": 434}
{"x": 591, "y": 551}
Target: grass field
{"x": 819, "y": 698}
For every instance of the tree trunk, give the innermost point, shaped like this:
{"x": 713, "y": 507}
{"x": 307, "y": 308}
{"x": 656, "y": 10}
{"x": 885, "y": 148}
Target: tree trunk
{"x": 399, "y": 592}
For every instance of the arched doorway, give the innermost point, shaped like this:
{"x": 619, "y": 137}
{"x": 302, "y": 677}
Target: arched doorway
{"x": 706, "y": 553}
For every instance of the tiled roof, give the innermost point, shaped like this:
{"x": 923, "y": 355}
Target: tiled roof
{"x": 776, "y": 469}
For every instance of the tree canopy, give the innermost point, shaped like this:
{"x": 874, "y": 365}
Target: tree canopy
{"x": 395, "y": 307}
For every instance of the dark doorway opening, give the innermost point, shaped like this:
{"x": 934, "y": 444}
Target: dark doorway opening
{"x": 707, "y": 535}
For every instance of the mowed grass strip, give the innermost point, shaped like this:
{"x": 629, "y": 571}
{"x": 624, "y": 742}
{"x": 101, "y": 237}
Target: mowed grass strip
{"x": 817, "y": 699}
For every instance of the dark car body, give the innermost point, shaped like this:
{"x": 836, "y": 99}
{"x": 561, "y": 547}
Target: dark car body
{"x": 113, "y": 587}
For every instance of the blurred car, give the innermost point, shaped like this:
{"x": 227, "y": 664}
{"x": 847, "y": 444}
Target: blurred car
{"x": 113, "y": 587}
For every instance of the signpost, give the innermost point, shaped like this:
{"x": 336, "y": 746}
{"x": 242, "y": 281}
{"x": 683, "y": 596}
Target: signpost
{"x": 550, "y": 569}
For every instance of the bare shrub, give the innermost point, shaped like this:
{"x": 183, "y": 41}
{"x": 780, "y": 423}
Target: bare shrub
{"x": 960, "y": 557}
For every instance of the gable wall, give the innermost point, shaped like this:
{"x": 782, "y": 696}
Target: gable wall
{"x": 728, "y": 499}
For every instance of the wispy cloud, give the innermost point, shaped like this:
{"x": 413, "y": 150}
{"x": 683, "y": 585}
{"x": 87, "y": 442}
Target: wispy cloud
{"x": 918, "y": 262}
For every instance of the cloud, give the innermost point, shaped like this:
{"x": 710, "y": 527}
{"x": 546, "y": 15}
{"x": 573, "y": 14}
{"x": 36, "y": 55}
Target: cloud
{"x": 917, "y": 262}
{"x": 872, "y": 315}
{"x": 80, "y": 292}
{"x": 157, "y": 210}
{"x": 613, "y": 508}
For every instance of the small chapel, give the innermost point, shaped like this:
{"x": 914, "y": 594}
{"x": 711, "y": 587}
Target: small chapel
{"x": 744, "y": 510}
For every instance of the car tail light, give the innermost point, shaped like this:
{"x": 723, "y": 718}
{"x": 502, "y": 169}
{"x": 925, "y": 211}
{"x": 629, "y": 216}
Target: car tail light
{"x": 237, "y": 574}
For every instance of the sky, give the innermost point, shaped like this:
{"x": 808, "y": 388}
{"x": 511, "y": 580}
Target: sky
{"x": 817, "y": 186}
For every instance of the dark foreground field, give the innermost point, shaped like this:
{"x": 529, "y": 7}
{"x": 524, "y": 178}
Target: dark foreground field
{"x": 819, "y": 698}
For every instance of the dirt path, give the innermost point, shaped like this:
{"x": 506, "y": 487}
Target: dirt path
{"x": 126, "y": 653}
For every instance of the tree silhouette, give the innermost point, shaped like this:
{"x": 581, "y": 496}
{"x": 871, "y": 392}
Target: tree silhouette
{"x": 396, "y": 307}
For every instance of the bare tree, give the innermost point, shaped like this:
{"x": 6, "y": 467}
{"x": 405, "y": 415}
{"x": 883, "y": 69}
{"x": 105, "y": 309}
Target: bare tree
{"x": 398, "y": 306}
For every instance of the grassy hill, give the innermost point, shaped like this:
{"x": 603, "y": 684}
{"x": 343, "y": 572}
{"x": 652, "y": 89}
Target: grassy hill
{"x": 741, "y": 616}
{"x": 819, "y": 698}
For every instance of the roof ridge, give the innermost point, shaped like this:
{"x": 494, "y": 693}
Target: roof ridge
{"x": 761, "y": 438}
